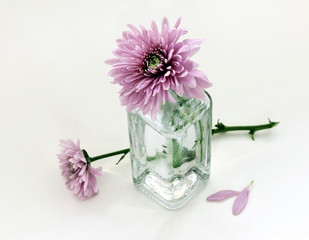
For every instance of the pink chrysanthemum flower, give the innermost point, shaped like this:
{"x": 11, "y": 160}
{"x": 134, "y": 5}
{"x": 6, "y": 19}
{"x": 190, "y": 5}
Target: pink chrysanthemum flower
{"x": 79, "y": 174}
{"x": 149, "y": 63}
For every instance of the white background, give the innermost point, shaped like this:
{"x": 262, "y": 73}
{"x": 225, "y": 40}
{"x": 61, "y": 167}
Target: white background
{"x": 54, "y": 85}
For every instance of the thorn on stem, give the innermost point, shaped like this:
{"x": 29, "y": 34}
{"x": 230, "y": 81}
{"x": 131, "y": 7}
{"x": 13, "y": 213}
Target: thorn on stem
{"x": 251, "y": 132}
{"x": 122, "y": 157}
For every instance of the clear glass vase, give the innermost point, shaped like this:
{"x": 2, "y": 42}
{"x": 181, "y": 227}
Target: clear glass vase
{"x": 170, "y": 156}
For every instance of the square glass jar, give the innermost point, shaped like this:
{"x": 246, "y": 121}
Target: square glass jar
{"x": 170, "y": 156}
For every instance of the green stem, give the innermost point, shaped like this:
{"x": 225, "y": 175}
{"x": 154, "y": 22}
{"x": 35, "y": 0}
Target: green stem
{"x": 220, "y": 127}
{"x": 201, "y": 137}
{"x": 92, "y": 159}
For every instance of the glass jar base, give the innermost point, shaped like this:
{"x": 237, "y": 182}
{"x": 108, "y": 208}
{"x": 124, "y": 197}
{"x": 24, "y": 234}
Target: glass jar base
{"x": 172, "y": 193}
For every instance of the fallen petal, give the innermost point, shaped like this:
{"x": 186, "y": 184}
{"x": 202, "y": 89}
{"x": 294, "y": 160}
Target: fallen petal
{"x": 241, "y": 201}
{"x": 221, "y": 195}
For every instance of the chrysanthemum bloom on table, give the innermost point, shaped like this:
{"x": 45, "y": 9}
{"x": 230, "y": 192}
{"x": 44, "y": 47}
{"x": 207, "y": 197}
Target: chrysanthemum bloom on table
{"x": 150, "y": 63}
{"x": 80, "y": 176}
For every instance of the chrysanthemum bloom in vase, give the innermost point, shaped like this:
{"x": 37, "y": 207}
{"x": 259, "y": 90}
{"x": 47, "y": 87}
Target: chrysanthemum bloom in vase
{"x": 80, "y": 176}
{"x": 150, "y": 63}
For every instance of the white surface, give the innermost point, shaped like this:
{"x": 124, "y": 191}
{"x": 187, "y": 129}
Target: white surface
{"x": 54, "y": 84}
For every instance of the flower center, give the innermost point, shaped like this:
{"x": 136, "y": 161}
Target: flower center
{"x": 72, "y": 170}
{"x": 153, "y": 60}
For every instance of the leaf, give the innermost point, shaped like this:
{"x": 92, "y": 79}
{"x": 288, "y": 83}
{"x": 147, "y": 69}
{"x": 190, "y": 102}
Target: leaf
{"x": 187, "y": 155}
{"x": 222, "y": 195}
{"x": 176, "y": 153}
{"x": 158, "y": 155}
{"x": 220, "y": 125}
{"x": 241, "y": 201}
{"x": 151, "y": 158}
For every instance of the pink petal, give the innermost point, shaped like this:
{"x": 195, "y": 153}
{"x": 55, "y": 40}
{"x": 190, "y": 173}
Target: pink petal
{"x": 166, "y": 85}
{"x": 241, "y": 201}
{"x": 155, "y": 29}
{"x": 96, "y": 171}
{"x": 165, "y": 22}
{"x": 112, "y": 61}
{"x": 93, "y": 183}
{"x": 134, "y": 29}
{"x": 221, "y": 195}
{"x": 189, "y": 81}
{"x": 169, "y": 97}
{"x": 177, "y": 23}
